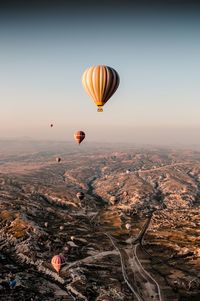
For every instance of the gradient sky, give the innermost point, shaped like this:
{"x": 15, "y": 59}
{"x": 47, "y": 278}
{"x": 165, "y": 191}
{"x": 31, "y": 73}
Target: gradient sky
{"x": 155, "y": 49}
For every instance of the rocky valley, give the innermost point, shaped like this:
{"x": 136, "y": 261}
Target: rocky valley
{"x": 134, "y": 236}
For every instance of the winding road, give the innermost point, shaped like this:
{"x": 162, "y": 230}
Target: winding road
{"x": 143, "y": 285}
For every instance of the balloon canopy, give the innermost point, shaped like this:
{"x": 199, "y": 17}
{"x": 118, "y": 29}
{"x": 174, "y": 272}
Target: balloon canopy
{"x": 100, "y": 83}
{"x": 57, "y": 261}
{"x": 79, "y": 136}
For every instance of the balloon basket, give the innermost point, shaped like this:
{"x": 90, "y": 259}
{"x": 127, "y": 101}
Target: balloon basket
{"x": 100, "y": 109}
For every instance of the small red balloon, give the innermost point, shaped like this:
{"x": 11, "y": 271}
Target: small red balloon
{"x": 79, "y": 136}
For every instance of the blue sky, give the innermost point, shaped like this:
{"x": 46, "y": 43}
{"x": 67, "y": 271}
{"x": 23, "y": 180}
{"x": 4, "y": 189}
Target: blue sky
{"x": 156, "y": 54}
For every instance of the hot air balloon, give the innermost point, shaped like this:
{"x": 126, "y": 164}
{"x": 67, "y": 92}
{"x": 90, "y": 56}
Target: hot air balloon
{"x": 100, "y": 83}
{"x": 128, "y": 226}
{"x": 79, "y": 136}
{"x": 58, "y": 159}
{"x": 113, "y": 199}
{"x": 51, "y": 125}
{"x": 57, "y": 261}
{"x": 80, "y": 195}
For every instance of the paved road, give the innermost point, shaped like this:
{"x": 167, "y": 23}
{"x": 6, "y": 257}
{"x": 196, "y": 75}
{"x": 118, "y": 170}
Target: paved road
{"x": 161, "y": 167}
{"x": 143, "y": 285}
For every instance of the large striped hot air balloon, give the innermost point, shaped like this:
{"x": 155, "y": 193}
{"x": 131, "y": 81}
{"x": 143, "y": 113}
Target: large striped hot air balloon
{"x": 57, "y": 261}
{"x": 100, "y": 82}
{"x": 79, "y": 136}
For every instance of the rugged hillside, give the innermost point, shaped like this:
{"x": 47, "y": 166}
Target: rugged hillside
{"x": 40, "y": 216}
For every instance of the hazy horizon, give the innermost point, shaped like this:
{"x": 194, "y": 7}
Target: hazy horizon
{"x": 102, "y": 143}
{"x": 155, "y": 51}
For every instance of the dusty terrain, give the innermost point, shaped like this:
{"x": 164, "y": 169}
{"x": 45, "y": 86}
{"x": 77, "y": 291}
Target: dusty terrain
{"x": 40, "y": 216}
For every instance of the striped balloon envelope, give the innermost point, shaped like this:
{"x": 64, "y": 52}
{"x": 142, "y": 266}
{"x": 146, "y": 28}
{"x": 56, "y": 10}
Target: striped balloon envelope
{"x": 57, "y": 261}
{"x": 100, "y": 82}
{"x": 79, "y": 136}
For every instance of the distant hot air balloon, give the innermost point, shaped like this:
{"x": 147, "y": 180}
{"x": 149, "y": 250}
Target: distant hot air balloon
{"x": 79, "y": 136}
{"x": 128, "y": 226}
{"x": 58, "y": 159}
{"x": 100, "y": 83}
{"x": 80, "y": 195}
{"x": 113, "y": 199}
{"x": 51, "y": 125}
{"x": 57, "y": 261}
